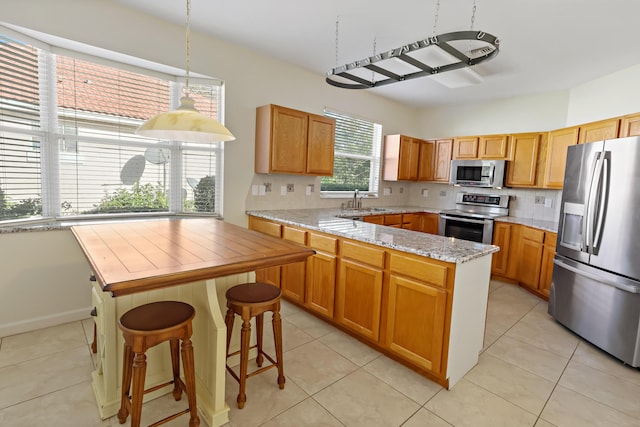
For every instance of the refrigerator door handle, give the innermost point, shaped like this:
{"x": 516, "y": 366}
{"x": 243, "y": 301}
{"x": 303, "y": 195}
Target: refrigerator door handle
{"x": 629, "y": 288}
{"x": 603, "y": 193}
{"x": 596, "y": 175}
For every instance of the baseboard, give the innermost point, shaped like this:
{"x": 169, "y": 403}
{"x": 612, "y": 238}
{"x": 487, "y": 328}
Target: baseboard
{"x": 29, "y": 325}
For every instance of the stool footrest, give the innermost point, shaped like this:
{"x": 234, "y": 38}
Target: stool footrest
{"x": 159, "y": 386}
{"x": 250, "y": 374}
{"x": 169, "y": 418}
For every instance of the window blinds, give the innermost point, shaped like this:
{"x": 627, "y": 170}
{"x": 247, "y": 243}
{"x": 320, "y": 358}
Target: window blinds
{"x": 21, "y": 104}
{"x": 99, "y": 165}
{"x": 357, "y": 155}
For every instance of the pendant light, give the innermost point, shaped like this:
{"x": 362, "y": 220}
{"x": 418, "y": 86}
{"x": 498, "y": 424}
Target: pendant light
{"x": 185, "y": 123}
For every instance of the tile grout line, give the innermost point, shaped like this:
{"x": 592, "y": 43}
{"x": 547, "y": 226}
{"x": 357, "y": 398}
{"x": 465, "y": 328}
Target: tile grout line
{"x": 555, "y": 386}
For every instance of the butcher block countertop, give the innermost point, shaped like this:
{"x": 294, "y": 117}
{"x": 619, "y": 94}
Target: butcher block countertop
{"x": 137, "y": 256}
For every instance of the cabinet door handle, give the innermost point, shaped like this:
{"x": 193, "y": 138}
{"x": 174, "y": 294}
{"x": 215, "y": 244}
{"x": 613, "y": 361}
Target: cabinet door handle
{"x": 92, "y": 278}
{"x": 94, "y": 312}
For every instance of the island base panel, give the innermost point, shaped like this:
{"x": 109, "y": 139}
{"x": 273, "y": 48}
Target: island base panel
{"x": 209, "y": 343}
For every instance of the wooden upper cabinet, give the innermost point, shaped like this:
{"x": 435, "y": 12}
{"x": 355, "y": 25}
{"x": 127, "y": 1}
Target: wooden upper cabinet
{"x": 521, "y": 170}
{"x": 630, "y": 125}
{"x": 465, "y": 148}
{"x": 558, "y": 142}
{"x": 426, "y": 161}
{"x": 493, "y": 147}
{"x": 443, "y": 151}
{"x": 320, "y": 145}
{"x": 598, "y": 131}
{"x": 289, "y": 141}
{"x": 401, "y": 154}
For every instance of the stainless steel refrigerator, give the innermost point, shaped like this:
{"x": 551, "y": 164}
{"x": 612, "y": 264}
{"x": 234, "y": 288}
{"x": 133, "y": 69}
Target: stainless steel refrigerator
{"x": 596, "y": 276}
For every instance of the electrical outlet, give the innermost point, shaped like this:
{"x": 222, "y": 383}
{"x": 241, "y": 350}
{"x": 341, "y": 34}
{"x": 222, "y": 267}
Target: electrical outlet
{"x": 539, "y": 200}
{"x": 401, "y": 190}
{"x": 289, "y": 188}
{"x": 283, "y": 190}
{"x": 267, "y": 187}
{"x": 443, "y": 193}
{"x": 425, "y": 192}
{"x": 386, "y": 191}
{"x": 309, "y": 189}
{"x": 255, "y": 189}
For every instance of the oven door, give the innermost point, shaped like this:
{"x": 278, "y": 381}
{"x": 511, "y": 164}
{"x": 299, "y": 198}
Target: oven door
{"x": 460, "y": 227}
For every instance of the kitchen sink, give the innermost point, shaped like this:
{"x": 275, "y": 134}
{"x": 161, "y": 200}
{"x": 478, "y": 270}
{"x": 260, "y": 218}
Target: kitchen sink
{"x": 357, "y": 212}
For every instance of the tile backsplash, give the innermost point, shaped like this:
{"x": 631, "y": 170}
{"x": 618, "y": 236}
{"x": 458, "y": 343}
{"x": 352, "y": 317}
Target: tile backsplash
{"x": 540, "y": 204}
{"x": 525, "y": 203}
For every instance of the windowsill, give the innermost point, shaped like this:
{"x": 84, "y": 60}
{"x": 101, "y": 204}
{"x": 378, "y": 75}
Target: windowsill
{"x": 48, "y": 224}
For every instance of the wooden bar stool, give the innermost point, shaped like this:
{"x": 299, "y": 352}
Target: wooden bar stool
{"x": 144, "y": 327}
{"x": 253, "y": 300}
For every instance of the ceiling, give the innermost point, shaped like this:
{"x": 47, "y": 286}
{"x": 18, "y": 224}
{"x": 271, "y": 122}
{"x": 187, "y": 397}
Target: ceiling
{"x": 545, "y": 45}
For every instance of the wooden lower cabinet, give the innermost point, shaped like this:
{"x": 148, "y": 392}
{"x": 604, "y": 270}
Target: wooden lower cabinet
{"x": 359, "y": 288}
{"x": 293, "y": 276}
{"x": 531, "y": 246}
{"x": 358, "y": 299}
{"x": 267, "y": 275}
{"x": 428, "y": 223}
{"x": 419, "y": 221}
{"x": 374, "y": 219}
{"x": 505, "y": 263}
{"x": 546, "y": 269}
{"x": 397, "y": 302}
{"x": 535, "y": 266}
{"x": 416, "y": 306}
{"x": 321, "y": 275}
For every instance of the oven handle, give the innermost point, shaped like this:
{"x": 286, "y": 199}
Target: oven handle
{"x": 457, "y": 218}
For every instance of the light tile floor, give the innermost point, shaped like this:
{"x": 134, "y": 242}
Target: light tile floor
{"x": 531, "y": 372}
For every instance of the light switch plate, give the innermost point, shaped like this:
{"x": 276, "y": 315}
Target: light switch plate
{"x": 425, "y": 192}
{"x": 254, "y": 190}
{"x": 283, "y": 190}
{"x": 386, "y": 191}
{"x": 548, "y": 202}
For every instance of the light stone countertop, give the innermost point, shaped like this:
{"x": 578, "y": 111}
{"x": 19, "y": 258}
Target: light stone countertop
{"x": 428, "y": 245}
{"x": 551, "y": 226}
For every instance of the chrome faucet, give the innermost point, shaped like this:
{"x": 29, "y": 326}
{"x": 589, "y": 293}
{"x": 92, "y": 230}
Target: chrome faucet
{"x": 357, "y": 204}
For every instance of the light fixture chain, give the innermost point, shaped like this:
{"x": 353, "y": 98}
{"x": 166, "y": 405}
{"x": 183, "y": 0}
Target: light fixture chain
{"x": 473, "y": 20}
{"x": 188, "y": 47}
{"x": 373, "y": 74}
{"x": 337, "y": 28}
{"x": 435, "y": 22}
{"x": 473, "y": 14}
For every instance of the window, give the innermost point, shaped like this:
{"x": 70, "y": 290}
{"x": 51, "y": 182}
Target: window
{"x": 67, "y": 141}
{"x": 357, "y": 156}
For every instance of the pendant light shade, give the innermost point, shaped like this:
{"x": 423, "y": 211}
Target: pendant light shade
{"x": 185, "y": 123}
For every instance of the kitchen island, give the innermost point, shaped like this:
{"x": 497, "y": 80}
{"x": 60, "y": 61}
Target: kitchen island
{"x": 191, "y": 260}
{"x": 419, "y": 298}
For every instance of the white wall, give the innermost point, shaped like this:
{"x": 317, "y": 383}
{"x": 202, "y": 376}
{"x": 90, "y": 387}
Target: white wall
{"x": 609, "y": 96}
{"x": 532, "y": 113}
{"x": 44, "y": 280}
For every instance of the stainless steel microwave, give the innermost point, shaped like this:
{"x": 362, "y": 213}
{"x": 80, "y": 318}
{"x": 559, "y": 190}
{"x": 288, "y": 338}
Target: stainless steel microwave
{"x": 477, "y": 173}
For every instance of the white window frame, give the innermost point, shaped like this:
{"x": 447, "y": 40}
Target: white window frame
{"x": 376, "y": 161}
{"x": 50, "y": 151}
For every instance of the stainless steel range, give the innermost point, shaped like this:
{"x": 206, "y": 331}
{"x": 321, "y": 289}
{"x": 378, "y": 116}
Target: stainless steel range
{"x": 473, "y": 217}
